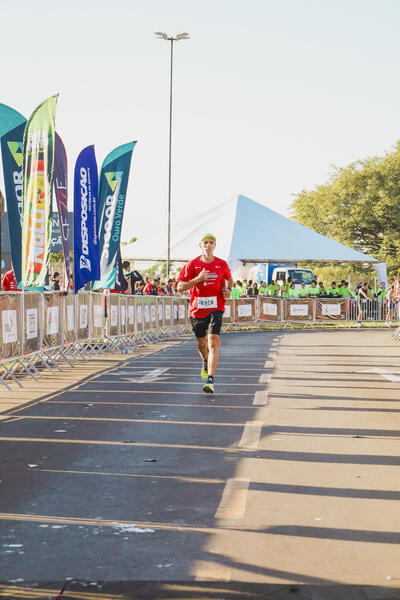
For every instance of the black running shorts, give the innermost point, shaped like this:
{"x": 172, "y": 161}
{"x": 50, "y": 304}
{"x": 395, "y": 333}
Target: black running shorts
{"x": 211, "y": 322}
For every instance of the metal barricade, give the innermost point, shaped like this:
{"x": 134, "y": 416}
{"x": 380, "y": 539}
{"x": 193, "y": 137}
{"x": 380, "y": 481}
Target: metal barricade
{"x": 97, "y": 322}
{"x": 269, "y": 309}
{"x": 53, "y": 330}
{"x": 131, "y": 305}
{"x": 32, "y": 319}
{"x": 245, "y": 311}
{"x": 10, "y": 335}
{"x": 330, "y": 309}
{"x": 123, "y": 314}
{"x": 298, "y": 310}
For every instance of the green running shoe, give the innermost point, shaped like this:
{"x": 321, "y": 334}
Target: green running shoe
{"x": 208, "y": 388}
{"x": 204, "y": 374}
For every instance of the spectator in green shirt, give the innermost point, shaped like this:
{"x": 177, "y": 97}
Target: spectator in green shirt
{"x": 273, "y": 288}
{"x": 293, "y": 293}
{"x": 236, "y": 292}
{"x": 333, "y": 291}
{"x": 312, "y": 290}
{"x": 322, "y": 290}
{"x": 263, "y": 290}
{"x": 284, "y": 289}
{"x": 344, "y": 289}
{"x": 302, "y": 291}
{"x": 382, "y": 291}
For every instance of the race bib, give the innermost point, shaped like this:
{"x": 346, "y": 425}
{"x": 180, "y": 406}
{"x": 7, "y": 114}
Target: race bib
{"x": 209, "y": 302}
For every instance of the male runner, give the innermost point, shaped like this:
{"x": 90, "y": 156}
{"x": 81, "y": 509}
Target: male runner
{"x": 206, "y": 276}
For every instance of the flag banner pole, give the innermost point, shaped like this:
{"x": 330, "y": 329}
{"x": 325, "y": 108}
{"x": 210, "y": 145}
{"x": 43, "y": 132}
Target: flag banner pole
{"x": 38, "y": 170}
{"x": 61, "y": 193}
{"x": 12, "y": 126}
{"x": 86, "y": 243}
{"x": 113, "y": 184}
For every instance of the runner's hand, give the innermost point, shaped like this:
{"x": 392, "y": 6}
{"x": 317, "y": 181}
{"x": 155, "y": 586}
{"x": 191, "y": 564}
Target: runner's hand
{"x": 226, "y": 292}
{"x": 203, "y": 276}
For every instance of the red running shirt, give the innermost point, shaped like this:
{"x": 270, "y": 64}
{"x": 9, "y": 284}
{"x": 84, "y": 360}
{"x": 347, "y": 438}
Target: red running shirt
{"x": 207, "y": 296}
{"x": 9, "y": 282}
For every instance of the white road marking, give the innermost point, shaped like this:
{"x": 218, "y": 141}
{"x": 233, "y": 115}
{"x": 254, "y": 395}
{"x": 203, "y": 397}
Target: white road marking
{"x": 269, "y": 364}
{"x": 260, "y": 398}
{"x": 234, "y": 498}
{"x": 264, "y": 378}
{"x": 251, "y": 435}
{"x": 385, "y": 374}
{"x": 152, "y": 375}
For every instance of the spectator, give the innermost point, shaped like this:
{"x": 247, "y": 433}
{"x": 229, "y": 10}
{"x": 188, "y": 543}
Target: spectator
{"x": 255, "y": 289}
{"x": 139, "y": 287}
{"x": 293, "y": 293}
{"x": 344, "y": 289}
{"x": 9, "y": 283}
{"x": 362, "y": 303}
{"x": 56, "y": 282}
{"x": 302, "y": 291}
{"x": 322, "y": 290}
{"x": 273, "y": 288}
{"x": 151, "y": 289}
{"x": 236, "y": 291}
{"x": 170, "y": 287}
{"x": 131, "y": 276}
{"x": 382, "y": 291}
{"x": 333, "y": 291}
{"x": 312, "y": 290}
{"x": 263, "y": 290}
{"x": 284, "y": 291}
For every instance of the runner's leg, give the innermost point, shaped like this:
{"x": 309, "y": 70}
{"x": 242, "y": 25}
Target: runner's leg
{"x": 213, "y": 353}
{"x": 202, "y": 347}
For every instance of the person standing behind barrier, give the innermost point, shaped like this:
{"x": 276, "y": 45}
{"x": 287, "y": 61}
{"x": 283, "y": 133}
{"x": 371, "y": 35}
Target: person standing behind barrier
{"x": 293, "y": 293}
{"x": 273, "y": 289}
{"x": 263, "y": 290}
{"x": 284, "y": 291}
{"x": 362, "y": 303}
{"x": 255, "y": 289}
{"x": 249, "y": 289}
{"x": 312, "y": 290}
{"x": 322, "y": 290}
{"x": 206, "y": 277}
{"x": 344, "y": 289}
{"x": 390, "y": 296}
{"x": 131, "y": 275}
{"x": 236, "y": 292}
{"x": 302, "y": 291}
{"x": 334, "y": 291}
{"x": 9, "y": 283}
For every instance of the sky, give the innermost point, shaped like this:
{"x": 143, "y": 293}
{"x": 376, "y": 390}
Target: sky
{"x": 268, "y": 95}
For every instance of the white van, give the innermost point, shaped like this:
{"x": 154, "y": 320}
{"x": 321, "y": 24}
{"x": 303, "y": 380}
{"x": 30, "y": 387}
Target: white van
{"x": 299, "y": 276}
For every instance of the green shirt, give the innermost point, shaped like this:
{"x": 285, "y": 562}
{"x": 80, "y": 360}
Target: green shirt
{"x": 302, "y": 292}
{"x": 235, "y": 292}
{"x": 263, "y": 291}
{"x": 334, "y": 292}
{"x": 322, "y": 291}
{"x": 285, "y": 290}
{"x": 272, "y": 289}
{"x": 293, "y": 293}
{"x": 382, "y": 293}
{"x": 312, "y": 291}
{"x": 345, "y": 292}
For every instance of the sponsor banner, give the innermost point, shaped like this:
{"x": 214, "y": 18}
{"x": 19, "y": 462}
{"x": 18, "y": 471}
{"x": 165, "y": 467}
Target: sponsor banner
{"x": 331, "y": 309}
{"x": 38, "y": 168}
{"x": 269, "y": 309}
{"x": 297, "y": 309}
{"x": 61, "y": 192}
{"x": 113, "y": 184}
{"x": 12, "y": 126}
{"x": 86, "y": 243}
{"x": 245, "y": 309}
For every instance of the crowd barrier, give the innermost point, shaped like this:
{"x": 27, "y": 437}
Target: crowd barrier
{"x": 51, "y": 329}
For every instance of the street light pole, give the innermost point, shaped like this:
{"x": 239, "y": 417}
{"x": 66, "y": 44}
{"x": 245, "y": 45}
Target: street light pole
{"x": 171, "y": 39}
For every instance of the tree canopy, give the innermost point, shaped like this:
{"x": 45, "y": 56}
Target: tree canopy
{"x": 359, "y": 206}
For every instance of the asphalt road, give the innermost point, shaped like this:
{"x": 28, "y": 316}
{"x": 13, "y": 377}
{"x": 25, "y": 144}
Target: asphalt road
{"x": 136, "y": 484}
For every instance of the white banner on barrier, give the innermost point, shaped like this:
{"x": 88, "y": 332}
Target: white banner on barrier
{"x": 146, "y": 313}
{"x": 227, "y": 312}
{"x": 153, "y": 312}
{"x": 131, "y": 314}
{"x": 139, "y": 314}
{"x": 160, "y": 312}
{"x": 52, "y": 320}
{"x": 97, "y": 315}
{"x": 123, "y": 314}
{"x": 270, "y": 309}
{"x": 31, "y": 323}
{"x": 114, "y": 315}
{"x": 175, "y": 312}
{"x": 331, "y": 310}
{"x": 70, "y": 317}
{"x": 299, "y": 310}
{"x": 9, "y": 326}
{"x": 244, "y": 310}
{"x": 168, "y": 311}
{"x": 83, "y": 316}
{"x": 181, "y": 311}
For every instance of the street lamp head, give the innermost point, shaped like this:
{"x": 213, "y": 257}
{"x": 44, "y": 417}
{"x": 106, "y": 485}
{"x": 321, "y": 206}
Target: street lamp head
{"x": 161, "y": 35}
{"x": 182, "y": 36}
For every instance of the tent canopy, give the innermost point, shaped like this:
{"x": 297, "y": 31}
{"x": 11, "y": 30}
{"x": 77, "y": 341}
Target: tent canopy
{"x": 250, "y": 232}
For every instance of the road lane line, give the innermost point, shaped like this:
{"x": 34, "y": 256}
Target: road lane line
{"x": 233, "y": 502}
{"x": 208, "y": 571}
{"x": 269, "y": 364}
{"x": 260, "y": 398}
{"x": 264, "y": 378}
{"x": 385, "y": 373}
{"x": 251, "y": 435}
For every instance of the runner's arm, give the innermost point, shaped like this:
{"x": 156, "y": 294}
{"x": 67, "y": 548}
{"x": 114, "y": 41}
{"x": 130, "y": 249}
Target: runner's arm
{"x": 227, "y": 289}
{"x": 183, "y": 286}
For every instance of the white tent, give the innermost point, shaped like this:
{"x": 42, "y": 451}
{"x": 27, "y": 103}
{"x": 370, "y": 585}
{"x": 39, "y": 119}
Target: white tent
{"x": 249, "y": 232}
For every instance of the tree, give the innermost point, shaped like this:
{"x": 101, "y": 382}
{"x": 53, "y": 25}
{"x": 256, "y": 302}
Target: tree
{"x": 359, "y": 206}
{"x": 134, "y": 239}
